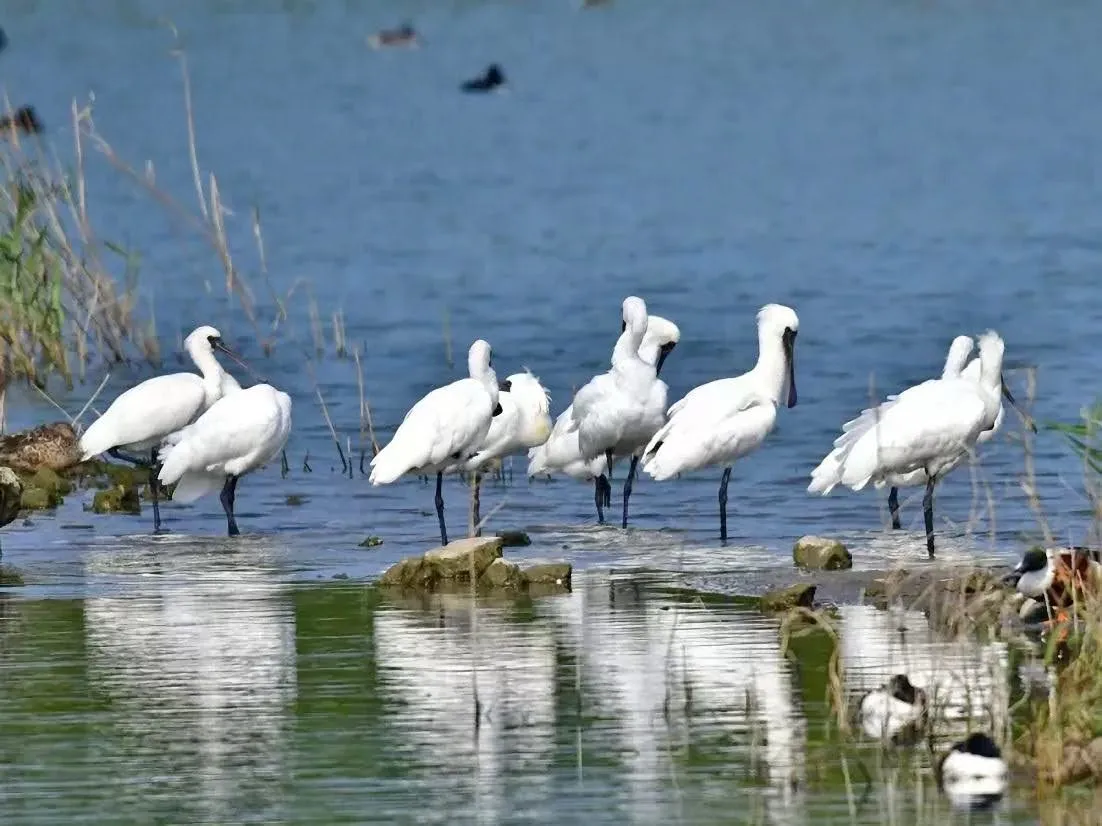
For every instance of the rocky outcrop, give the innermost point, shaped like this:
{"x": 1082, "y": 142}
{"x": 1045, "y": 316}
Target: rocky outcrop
{"x": 454, "y": 565}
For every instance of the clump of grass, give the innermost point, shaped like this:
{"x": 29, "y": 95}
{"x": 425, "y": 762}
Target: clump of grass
{"x": 59, "y": 298}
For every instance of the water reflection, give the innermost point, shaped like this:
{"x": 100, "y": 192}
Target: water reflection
{"x": 675, "y": 676}
{"x": 198, "y": 667}
{"x": 431, "y": 668}
{"x": 966, "y": 681}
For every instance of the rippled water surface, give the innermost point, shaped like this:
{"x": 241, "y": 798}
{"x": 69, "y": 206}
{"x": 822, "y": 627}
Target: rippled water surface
{"x": 210, "y": 690}
{"x": 899, "y": 172}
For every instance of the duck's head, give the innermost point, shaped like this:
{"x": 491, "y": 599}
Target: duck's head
{"x": 902, "y": 689}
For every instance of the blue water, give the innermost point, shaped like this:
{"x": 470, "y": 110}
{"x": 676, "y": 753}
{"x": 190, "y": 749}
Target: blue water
{"x": 898, "y": 172}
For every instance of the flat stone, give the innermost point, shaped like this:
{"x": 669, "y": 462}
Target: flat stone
{"x": 454, "y": 560}
{"x": 117, "y": 499}
{"x": 800, "y": 595}
{"x": 413, "y": 572}
{"x": 550, "y": 573}
{"x": 817, "y": 553}
{"x": 503, "y": 576}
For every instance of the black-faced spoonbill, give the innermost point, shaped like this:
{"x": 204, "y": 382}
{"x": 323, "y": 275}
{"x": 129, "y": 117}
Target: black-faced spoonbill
{"x": 562, "y": 453}
{"x": 523, "y": 423}
{"x": 721, "y": 421}
{"x": 141, "y": 417}
{"x": 618, "y": 411}
{"x": 928, "y": 427}
{"x": 957, "y": 364}
{"x": 242, "y": 431}
{"x": 445, "y": 427}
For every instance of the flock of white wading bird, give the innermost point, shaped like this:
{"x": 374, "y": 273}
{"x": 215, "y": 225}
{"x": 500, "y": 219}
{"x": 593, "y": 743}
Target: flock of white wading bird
{"x": 203, "y": 432}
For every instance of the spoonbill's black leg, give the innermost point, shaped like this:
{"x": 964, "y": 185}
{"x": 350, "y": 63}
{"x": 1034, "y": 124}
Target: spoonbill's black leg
{"x": 227, "y": 497}
{"x": 476, "y": 503}
{"x": 627, "y": 487}
{"x": 608, "y": 482}
{"x": 723, "y": 503}
{"x": 599, "y": 485}
{"x": 928, "y": 515}
{"x": 154, "y": 489}
{"x": 893, "y": 507}
{"x": 440, "y": 508}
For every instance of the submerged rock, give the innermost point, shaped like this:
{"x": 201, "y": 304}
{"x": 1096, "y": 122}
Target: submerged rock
{"x": 54, "y": 446}
{"x": 514, "y": 539}
{"x": 117, "y": 499}
{"x": 818, "y": 553}
{"x": 503, "y": 576}
{"x": 11, "y": 495}
{"x": 10, "y": 577}
{"x": 549, "y": 573}
{"x": 450, "y": 568}
{"x": 43, "y": 489}
{"x": 800, "y": 595}
{"x": 372, "y": 542}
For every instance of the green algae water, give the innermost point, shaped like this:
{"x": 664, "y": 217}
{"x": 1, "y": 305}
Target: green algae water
{"x": 236, "y": 697}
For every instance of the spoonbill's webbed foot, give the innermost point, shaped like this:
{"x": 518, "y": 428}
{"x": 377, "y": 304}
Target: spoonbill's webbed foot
{"x": 627, "y": 487}
{"x": 928, "y": 515}
{"x": 228, "y": 494}
{"x": 723, "y": 503}
{"x": 440, "y": 508}
{"x": 893, "y": 508}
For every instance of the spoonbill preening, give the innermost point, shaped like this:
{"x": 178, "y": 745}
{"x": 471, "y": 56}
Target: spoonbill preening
{"x": 242, "y": 431}
{"x": 140, "y": 418}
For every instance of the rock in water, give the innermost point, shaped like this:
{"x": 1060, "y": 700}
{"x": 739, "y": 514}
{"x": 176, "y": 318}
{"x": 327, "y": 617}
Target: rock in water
{"x": 816, "y": 553}
{"x": 455, "y": 559}
{"x": 11, "y": 495}
{"x": 54, "y": 446}
{"x": 801, "y": 595}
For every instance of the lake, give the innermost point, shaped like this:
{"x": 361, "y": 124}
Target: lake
{"x": 897, "y": 172}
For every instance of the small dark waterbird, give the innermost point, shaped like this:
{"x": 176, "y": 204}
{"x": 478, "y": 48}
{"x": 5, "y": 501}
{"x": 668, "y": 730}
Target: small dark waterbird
{"x": 24, "y": 119}
{"x": 491, "y": 79}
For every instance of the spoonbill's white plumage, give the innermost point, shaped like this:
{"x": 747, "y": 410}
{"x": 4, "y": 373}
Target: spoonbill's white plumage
{"x": 723, "y": 420}
{"x": 957, "y": 364}
{"x": 524, "y": 423}
{"x": 242, "y": 431}
{"x": 894, "y": 712}
{"x": 141, "y": 417}
{"x": 616, "y": 412}
{"x": 445, "y": 427}
{"x": 562, "y": 452}
{"x": 928, "y": 426}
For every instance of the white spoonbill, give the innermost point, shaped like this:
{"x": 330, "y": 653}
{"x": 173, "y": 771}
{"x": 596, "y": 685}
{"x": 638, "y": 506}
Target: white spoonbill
{"x": 723, "y": 420}
{"x": 957, "y": 364}
{"x": 446, "y": 426}
{"x": 242, "y": 431}
{"x": 139, "y": 418}
{"x": 524, "y": 422}
{"x": 617, "y": 411}
{"x": 561, "y": 452}
{"x": 928, "y": 427}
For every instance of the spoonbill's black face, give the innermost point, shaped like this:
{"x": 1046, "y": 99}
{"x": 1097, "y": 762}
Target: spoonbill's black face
{"x": 216, "y": 343}
{"x": 663, "y": 351}
{"x": 497, "y": 409}
{"x": 789, "y": 342}
{"x": 623, "y": 325}
{"x": 504, "y": 386}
